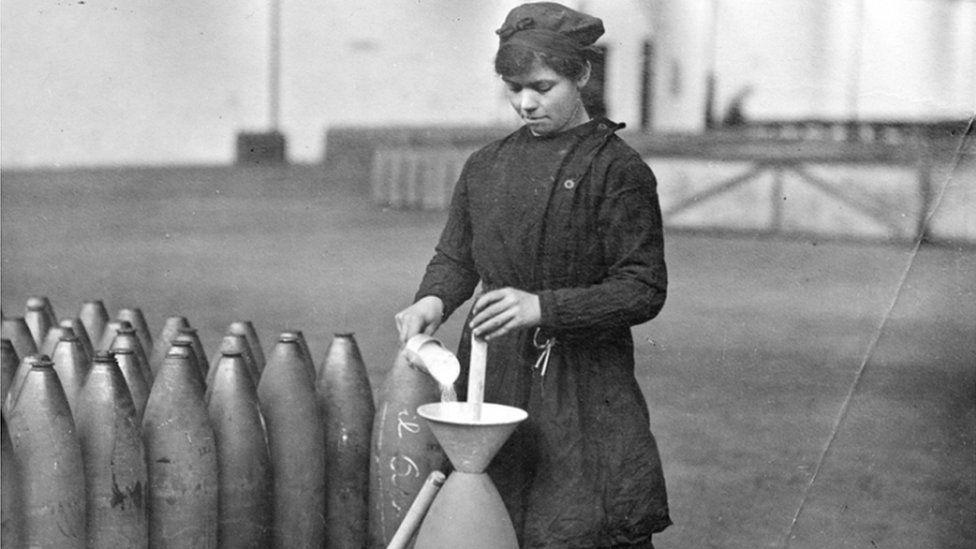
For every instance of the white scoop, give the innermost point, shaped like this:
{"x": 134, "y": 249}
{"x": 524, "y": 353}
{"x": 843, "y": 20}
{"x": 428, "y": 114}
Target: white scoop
{"x": 429, "y": 354}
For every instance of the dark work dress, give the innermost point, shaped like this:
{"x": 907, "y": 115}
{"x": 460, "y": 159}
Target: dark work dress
{"x": 575, "y": 219}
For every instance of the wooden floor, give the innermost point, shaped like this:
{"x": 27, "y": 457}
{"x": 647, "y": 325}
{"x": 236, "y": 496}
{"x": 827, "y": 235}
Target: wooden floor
{"x": 804, "y": 393}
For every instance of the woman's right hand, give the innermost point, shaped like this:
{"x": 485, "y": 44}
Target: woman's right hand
{"x": 424, "y": 316}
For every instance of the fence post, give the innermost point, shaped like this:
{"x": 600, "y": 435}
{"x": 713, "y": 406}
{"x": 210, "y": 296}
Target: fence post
{"x": 924, "y": 164}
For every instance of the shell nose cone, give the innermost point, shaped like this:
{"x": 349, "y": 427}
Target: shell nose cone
{"x": 471, "y": 433}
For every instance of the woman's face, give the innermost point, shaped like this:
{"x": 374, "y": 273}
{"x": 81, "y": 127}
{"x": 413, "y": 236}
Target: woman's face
{"x": 546, "y": 101}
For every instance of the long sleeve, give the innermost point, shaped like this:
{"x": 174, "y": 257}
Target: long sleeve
{"x": 451, "y": 273}
{"x": 635, "y": 286}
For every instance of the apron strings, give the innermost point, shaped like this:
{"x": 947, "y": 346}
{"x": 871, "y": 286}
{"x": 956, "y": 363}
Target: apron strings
{"x": 542, "y": 363}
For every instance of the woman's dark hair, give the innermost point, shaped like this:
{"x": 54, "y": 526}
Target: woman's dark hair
{"x": 513, "y": 60}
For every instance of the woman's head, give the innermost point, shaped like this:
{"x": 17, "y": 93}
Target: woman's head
{"x": 547, "y": 101}
{"x": 542, "y": 57}
{"x": 515, "y": 59}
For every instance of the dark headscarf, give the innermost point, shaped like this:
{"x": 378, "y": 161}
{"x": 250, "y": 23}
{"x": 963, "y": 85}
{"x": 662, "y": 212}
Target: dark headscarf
{"x": 551, "y": 28}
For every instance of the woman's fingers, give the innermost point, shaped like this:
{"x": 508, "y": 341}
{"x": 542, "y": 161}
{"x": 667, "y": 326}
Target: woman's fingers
{"x": 487, "y": 299}
{"x": 432, "y": 327}
{"x": 498, "y": 327}
{"x": 408, "y": 325}
{"x": 501, "y": 311}
{"x": 489, "y": 326}
{"x": 423, "y": 316}
{"x": 490, "y": 305}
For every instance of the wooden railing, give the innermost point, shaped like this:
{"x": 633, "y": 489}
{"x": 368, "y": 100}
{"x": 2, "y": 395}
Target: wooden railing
{"x": 415, "y": 168}
{"x": 735, "y": 163}
{"x": 894, "y": 132}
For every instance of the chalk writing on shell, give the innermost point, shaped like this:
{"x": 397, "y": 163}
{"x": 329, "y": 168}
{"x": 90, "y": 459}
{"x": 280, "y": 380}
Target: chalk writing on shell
{"x": 402, "y": 466}
{"x": 412, "y": 427}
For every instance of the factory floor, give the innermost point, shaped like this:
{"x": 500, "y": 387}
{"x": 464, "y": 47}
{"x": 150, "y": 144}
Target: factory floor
{"x": 804, "y": 393}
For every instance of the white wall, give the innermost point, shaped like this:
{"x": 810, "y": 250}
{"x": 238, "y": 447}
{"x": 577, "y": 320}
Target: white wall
{"x": 128, "y": 82}
{"x": 778, "y": 49}
{"x": 148, "y": 82}
{"x": 371, "y": 63}
{"x": 912, "y": 57}
{"x": 867, "y": 59}
{"x": 683, "y": 51}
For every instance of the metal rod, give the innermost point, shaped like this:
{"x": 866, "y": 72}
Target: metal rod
{"x": 776, "y": 197}
{"x": 711, "y": 60}
{"x": 854, "y": 69}
{"x": 476, "y": 372}
{"x": 274, "y": 65}
{"x": 417, "y": 511}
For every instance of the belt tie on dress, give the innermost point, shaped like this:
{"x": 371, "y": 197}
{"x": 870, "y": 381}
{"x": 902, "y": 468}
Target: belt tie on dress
{"x": 542, "y": 363}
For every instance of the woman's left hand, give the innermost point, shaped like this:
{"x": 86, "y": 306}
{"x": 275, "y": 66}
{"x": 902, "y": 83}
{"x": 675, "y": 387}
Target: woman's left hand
{"x": 500, "y": 311}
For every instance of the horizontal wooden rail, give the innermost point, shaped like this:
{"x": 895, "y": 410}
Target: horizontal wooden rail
{"x": 416, "y": 167}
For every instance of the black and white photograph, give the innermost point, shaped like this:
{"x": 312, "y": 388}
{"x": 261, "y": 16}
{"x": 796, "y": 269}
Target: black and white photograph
{"x": 488, "y": 274}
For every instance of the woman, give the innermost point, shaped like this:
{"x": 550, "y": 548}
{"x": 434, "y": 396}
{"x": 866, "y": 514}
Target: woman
{"x": 560, "y": 224}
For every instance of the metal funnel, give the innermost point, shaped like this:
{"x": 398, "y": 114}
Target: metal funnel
{"x": 471, "y": 433}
